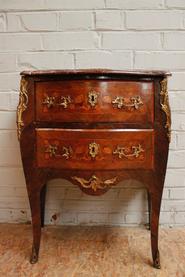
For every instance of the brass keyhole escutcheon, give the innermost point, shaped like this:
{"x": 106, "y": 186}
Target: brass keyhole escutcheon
{"x": 93, "y": 98}
{"x": 93, "y": 149}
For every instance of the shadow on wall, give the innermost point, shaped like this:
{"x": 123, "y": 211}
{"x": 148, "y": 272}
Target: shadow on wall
{"x": 124, "y": 204}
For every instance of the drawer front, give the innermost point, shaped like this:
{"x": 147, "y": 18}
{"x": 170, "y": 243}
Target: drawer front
{"x": 95, "y": 101}
{"x": 95, "y": 149}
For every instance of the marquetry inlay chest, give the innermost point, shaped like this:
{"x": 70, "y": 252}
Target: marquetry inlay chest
{"x": 94, "y": 128}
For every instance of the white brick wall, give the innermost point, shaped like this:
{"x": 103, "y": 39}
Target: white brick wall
{"x": 123, "y": 34}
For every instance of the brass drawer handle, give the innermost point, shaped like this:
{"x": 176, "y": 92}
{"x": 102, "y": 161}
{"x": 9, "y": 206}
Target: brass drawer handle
{"x": 51, "y": 101}
{"x": 93, "y": 149}
{"x": 93, "y": 98}
{"x": 135, "y": 102}
{"x": 53, "y": 149}
{"x": 94, "y": 182}
{"x": 67, "y": 152}
{"x": 121, "y": 151}
{"x": 65, "y": 101}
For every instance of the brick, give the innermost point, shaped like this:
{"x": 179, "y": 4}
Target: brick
{"x": 69, "y": 218}
{"x": 70, "y": 41}
{"x": 39, "y": 21}
{"x": 177, "y": 100}
{"x": 176, "y": 81}
{"x": 116, "y": 218}
{"x": 57, "y": 217}
{"x": 131, "y": 40}
{"x": 9, "y": 81}
{"x": 15, "y": 191}
{"x": 45, "y": 61}
{"x": 12, "y": 177}
{"x": 14, "y": 23}
{"x": 109, "y": 195}
{"x": 54, "y": 204}
{"x": 95, "y": 218}
{"x": 86, "y": 206}
{"x": 76, "y": 5}
{"x": 160, "y": 60}
{"x": 125, "y": 184}
{"x": 45, "y": 21}
{"x": 14, "y": 216}
{"x": 174, "y": 206}
{"x": 14, "y": 203}
{"x": 7, "y": 62}
{"x": 104, "y": 59}
{"x": 8, "y": 139}
{"x": 73, "y": 193}
{"x": 177, "y": 193}
{"x": 127, "y": 194}
{"x": 179, "y": 218}
{"x": 134, "y": 199}
{"x": 94, "y": 206}
{"x": 109, "y": 20}
{"x": 136, "y": 218}
{"x": 175, "y": 178}
{"x": 176, "y": 159}
{"x": 14, "y": 100}
{"x": 133, "y": 4}
{"x": 2, "y": 23}
{"x": 166, "y": 193}
{"x": 9, "y": 101}
{"x": 131, "y": 184}
{"x": 134, "y": 205}
{"x": 76, "y": 21}
{"x": 20, "y": 42}
{"x": 48, "y": 216}
{"x": 154, "y": 20}
{"x": 181, "y": 140}
{"x": 54, "y": 193}
{"x": 7, "y": 120}
{"x": 167, "y": 217}
{"x": 112, "y": 194}
{"x": 174, "y": 41}
{"x": 175, "y": 4}
{"x": 173, "y": 142}
{"x": 52, "y": 217}
{"x": 178, "y": 122}
{"x": 60, "y": 182}
{"x": 16, "y": 5}
{"x": 10, "y": 157}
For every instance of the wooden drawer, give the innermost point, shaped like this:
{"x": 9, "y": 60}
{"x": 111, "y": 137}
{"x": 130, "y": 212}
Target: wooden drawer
{"x": 95, "y": 101}
{"x": 95, "y": 149}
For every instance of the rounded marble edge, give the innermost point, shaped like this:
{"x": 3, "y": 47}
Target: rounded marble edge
{"x": 96, "y": 71}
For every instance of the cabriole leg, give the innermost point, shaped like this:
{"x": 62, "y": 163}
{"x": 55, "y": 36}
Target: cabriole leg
{"x": 155, "y": 211}
{"x": 149, "y": 208}
{"x": 42, "y": 203}
{"x": 36, "y": 226}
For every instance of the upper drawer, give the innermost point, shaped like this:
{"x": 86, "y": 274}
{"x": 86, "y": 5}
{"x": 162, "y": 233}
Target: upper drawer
{"x": 95, "y": 101}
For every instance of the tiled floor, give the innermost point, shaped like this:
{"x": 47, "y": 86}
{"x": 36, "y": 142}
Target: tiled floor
{"x": 90, "y": 252}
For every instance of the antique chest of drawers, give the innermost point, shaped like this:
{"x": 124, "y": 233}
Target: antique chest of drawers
{"x": 94, "y": 128}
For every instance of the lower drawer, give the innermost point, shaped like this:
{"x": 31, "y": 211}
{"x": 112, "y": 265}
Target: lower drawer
{"x": 91, "y": 149}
